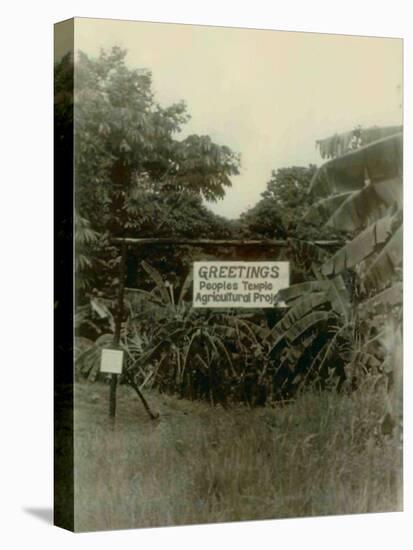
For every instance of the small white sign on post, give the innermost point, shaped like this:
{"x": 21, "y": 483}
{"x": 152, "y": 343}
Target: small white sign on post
{"x": 239, "y": 284}
{"x": 111, "y": 361}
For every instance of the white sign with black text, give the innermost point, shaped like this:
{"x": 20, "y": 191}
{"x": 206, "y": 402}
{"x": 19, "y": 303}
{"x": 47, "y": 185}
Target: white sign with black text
{"x": 239, "y": 284}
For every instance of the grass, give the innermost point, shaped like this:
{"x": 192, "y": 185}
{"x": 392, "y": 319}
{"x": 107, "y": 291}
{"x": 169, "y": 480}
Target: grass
{"x": 323, "y": 454}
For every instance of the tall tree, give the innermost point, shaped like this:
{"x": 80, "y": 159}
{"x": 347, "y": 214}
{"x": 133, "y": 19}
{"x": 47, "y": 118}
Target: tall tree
{"x": 132, "y": 171}
{"x": 284, "y": 203}
{"x": 130, "y": 166}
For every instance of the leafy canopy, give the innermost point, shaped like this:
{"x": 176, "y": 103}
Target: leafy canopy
{"x": 131, "y": 168}
{"x": 284, "y": 203}
{"x": 133, "y": 173}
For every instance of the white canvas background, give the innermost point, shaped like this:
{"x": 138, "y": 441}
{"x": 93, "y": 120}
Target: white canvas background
{"x": 26, "y": 273}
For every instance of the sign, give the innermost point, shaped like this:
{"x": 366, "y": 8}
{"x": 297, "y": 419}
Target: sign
{"x": 239, "y": 284}
{"x": 111, "y": 361}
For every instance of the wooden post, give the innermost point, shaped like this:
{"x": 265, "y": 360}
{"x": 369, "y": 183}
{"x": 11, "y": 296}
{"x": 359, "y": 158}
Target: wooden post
{"x": 112, "y": 395}
{"x": 118, "y": 326}
{"x": 266, "y": 243}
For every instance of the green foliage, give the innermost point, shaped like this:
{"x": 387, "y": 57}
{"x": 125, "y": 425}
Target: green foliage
{"x": 132, "y": 171}
{"x": 339, "y": 144}
{"x": 316, "y": 321}
{"x": 128, "y": 159}
{"x": 362, "y": 194}
{"x": 285, "y": 202}
{"x": 135, "y": 177}
{"x": 194, "y": 353}
{"x": 372, "y": 211}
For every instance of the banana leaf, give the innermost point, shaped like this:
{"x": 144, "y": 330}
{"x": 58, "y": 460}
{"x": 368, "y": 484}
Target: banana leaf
{"x": 81, "y": 315}
{"x": 338, "y": 294}
{"x": 185, "y": 287}
{"x": 385, "y": 265}
{"x": 299, "y": 310}
{"x": 365, "y": 206}
{"x": 338, "y": 144}
{"x": 326, "y": 206}
{"x": 89, "y": 360}
{"x": 100, "y": 308}
{"x": 359, "y": 248}
{"x": 378, "y": 161}
{"x": 302, "y": 289}
{"x": 383, "y": 301}
{"x": 305, "y": 249}
{"x": 305, "y": 323}
{"x": 292, "y": 330}
{"x": 157, "y": 278}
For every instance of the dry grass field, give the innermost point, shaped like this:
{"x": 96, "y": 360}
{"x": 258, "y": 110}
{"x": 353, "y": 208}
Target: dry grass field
{"x": 323, "y": 454}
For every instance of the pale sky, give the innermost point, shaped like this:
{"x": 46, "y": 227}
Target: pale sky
{"x": 266, "y": 94}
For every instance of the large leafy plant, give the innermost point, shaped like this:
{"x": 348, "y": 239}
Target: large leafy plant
{"x": 132, "y": 169}
{"x": 363, "y": 193}
{"x": 169, "y": 345}
{"x": 354, "y": 303}
{"x": 195, "y": 353}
